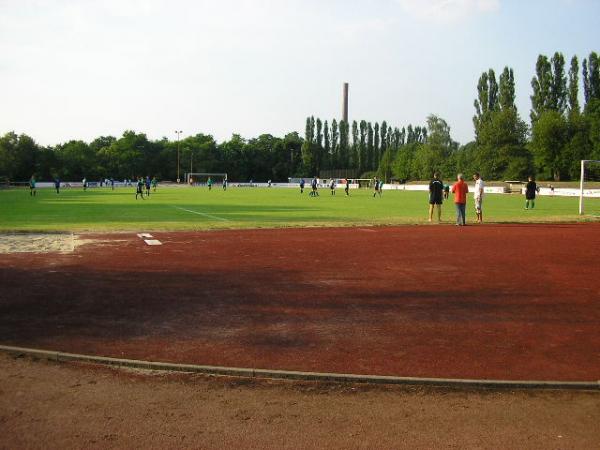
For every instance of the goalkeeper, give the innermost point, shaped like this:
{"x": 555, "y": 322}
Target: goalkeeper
{"x": 531, "y": 190}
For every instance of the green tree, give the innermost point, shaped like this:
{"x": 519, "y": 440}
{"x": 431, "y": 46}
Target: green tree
{"x": 355, "y": 154}
{"x": 370, "y": 147}
{"x": 436, "y": 152}
{"x": 549, "y": 136}
{"x": 376, "y": 153}
{"x": 558, "y": 87}
{"x": 334, "y": 144}
{"x": 506, "y": 98}
{"x": 308, "y": 145}
{"x": 362, "y": 147}
{"x": 327, "y": 147}
{"x": 343, "y": 148}
{"x": 542, "y": 86}
{"x": 487, "y": 99}
{"x": 574, "y": 87}
{"x": 591, "y": 78}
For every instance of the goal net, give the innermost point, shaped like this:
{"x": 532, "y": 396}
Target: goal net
{"x": 201, "y": 178}
{"x": 589, "y": 189}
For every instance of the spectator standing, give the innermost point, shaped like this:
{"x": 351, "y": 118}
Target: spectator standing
{"x": 460, "y": 191}
{"x": 478, "y": 196}
{"x": 436, "y": 192}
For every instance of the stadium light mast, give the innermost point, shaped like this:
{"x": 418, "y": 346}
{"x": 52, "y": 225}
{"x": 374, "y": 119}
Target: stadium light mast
{"x": 178, "y": 134}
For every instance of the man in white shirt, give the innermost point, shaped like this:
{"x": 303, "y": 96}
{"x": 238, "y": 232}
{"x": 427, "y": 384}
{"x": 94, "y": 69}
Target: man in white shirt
{"x": 478, "y": 196}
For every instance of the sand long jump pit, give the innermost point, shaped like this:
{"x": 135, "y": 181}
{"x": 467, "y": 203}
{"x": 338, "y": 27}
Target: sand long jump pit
{"x": 512, "y": 302}
{"x": 41, "y": 242}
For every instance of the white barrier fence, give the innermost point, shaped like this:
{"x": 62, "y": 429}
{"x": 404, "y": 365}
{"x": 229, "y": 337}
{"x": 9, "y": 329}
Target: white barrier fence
{"x": 559, "y": 192}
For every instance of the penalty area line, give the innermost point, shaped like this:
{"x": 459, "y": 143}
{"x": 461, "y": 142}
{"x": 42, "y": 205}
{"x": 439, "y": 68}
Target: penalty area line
{"x": 210, "y": 216}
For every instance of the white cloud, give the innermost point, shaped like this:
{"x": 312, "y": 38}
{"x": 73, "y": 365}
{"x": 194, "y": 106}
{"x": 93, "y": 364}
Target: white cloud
{"x": 448, "y": 11}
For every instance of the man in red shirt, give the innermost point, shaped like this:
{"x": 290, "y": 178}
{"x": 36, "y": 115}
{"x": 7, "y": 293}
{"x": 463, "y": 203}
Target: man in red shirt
{"x": 460, "y": 190}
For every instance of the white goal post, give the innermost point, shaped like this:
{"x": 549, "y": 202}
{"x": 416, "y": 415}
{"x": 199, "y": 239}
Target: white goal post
{"x": 590, "y": 172}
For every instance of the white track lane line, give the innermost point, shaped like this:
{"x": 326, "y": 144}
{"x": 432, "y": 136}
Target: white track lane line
{"x": 210, "y": 216}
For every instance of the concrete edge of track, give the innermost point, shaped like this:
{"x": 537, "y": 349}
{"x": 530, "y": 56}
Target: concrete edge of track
{"x": 297, "y": 375}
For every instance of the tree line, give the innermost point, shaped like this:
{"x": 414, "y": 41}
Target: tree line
{"x": 559, "y": 134}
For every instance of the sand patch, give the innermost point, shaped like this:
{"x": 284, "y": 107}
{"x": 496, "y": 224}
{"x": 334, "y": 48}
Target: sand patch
{"x": 40, "y": 242}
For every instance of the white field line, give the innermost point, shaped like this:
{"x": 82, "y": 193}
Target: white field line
{"x": 210, "y": 216}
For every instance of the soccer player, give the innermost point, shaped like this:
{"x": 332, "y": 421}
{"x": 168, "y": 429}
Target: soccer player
{"x": 154, "y": 183}
{"x": 209, "y": 183}
{"x": 147, "y": 183}
{"x": 314, "y": 186}
{"x": 302, "y": 186}
{"x": 347, "y": 188}
{"x": 140, "y": 188}
{"x": 376, "y": 187}
{"x": 460, "y": 191}
{"x": 84, "y": 182}
{"x": 32, "y": 190}
{"x": 436, "y": 189}
{"x": 530, "y": 190}
{"x": 57, "y": 185}
{"x": 478, "y": 196}
{"x": 332, "y": 186}
{"x": 224, "y": 184}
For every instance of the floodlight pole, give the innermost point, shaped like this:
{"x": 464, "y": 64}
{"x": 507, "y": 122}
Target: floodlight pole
{"x": 178, "y": 134}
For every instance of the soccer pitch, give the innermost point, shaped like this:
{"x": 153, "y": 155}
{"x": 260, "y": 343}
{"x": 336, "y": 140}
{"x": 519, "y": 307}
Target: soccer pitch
{"x": 185, "y": 208}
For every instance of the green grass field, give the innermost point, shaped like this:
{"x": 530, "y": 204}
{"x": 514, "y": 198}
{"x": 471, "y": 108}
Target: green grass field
{"x": 172, "y": 208}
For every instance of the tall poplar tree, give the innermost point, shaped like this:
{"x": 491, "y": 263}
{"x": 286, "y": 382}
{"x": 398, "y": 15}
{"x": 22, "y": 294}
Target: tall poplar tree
{"x": 343, "y": 152}
{"x": 542, "y": 86}
{"x": 335, "y": 135}
{"x": 362, "y": 147}
{"x": 326, "y": 147}
{"x": 384, "y": 131}
{"x": 376, "y": 154}
{"x": 307, "y": 145}
{"x": 355, "y": 154}
{"x": 370, "y": 145}
{"x": 506, "y": 98}
{"x": 487, "y": 99}
{"x": 574, "y": 87}
{"x": 558, "y": 88}
{"x": 318, "y": 150}
{"x": 591, "y": 78}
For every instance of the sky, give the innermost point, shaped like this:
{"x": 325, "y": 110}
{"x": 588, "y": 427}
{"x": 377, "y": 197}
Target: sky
{"x": 80, "y": 69}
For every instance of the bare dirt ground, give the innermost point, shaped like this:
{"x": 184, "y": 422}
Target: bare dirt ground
{"x": 50, "y": 405}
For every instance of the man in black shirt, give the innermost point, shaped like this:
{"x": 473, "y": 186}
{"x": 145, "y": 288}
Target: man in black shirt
{"x": 436, "y": 193}
{"x": 530, "y": 190}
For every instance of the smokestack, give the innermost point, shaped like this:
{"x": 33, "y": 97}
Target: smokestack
{"x": 345, "y": 104}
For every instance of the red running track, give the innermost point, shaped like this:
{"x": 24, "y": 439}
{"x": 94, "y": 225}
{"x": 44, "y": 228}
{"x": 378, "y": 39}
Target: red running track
{"x": 496, "y": 301}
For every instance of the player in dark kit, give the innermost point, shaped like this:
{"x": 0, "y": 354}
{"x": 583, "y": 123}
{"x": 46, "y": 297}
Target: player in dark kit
{"x": 302, "y": 186}
{"x": 140, "y": 189}
{"x": 57, "y": 185}
{"x": 436, "y": 194}
{"x": 530, "y": 190}
{"x": 347, "y": 188}
{"x": 314, "y": 186}
{"x": 147, "y": 183}
{"x": 32, "y": 190}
